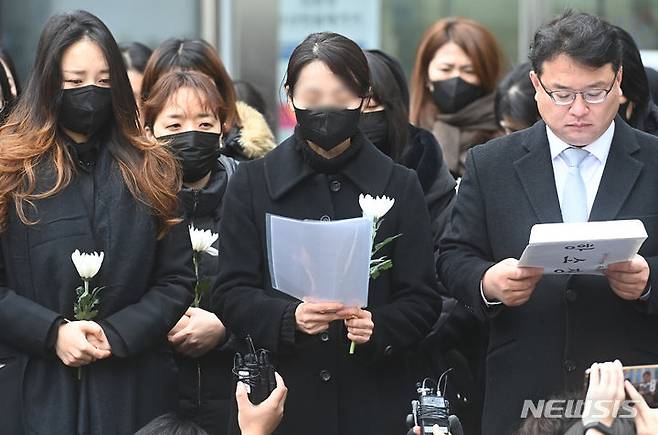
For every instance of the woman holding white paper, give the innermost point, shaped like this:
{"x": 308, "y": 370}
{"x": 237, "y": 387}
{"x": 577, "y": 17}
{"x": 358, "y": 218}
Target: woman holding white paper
{"x": 318, "y": 174}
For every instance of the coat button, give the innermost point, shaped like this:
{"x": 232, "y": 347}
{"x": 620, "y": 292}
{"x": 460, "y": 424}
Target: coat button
{"x": 388, "y": 350}
{"x": 335, "y": 186}
{"x": 325, "y": 218}
{"x": 569, "y": 366}
{"x": 571, "y": 295}
{"x": 325, "y": 375}
{"x": 324, "y": 336}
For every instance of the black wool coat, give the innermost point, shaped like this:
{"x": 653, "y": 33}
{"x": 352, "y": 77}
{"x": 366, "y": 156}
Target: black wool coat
{"x": 423, "y": 154}
{"x": 542, "y": 348}
{"x": 457, "y": 338}
{"x": 148, "y": 286}
{"x": 331, "y": 391}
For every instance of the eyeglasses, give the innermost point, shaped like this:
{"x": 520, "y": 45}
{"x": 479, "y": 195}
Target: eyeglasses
{"x": 567, "y": 97}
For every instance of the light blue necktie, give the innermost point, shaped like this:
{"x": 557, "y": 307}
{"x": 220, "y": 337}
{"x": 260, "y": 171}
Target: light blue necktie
{"x": 574, "y": 195}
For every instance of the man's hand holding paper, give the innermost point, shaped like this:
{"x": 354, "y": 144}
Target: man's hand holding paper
{"x": 629, "y": 279}
{"x": 509, "y": 283}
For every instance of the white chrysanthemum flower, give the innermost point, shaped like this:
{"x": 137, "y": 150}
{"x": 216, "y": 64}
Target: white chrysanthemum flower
{"x": 87, "y": 265}
{"x": 375, "y": 207}
{"x": 202, "y": 240}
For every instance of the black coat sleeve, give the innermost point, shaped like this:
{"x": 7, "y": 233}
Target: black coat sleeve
{"x": 650, "y": 305}
{"x": 415, "y": 304}
{"x": 137, "y": 327}
{"x": 424, "y": 156}
{"x": 240, "y": 299}
{"x": 24, "y": 324}
{"x": 465, "y": 251}
{"x": 440, "y": 198}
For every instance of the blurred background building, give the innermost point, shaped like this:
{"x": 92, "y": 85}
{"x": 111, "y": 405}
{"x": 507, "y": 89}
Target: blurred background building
{"x": 255, "y": 37}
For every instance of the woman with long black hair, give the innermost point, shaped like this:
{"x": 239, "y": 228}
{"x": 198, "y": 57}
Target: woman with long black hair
{"x": 318, "y": 173}
{"x": 385, "y": 121}
{"x": 77, "y": 174}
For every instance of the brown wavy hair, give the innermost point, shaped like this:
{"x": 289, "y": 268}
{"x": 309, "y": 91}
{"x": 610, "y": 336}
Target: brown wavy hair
{"x": 193, "y": 55}
{"x": 31, "y": 137}
{"x": 477, "y": 42}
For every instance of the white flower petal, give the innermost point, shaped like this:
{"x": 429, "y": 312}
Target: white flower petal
{"x": 375, "y": 207}
{"x": 87, "y": 265}
{"x": 75, "y": 257}
{"x": 202, "y": 239}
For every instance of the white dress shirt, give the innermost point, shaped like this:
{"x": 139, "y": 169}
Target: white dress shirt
{"x": 591, "y": 169}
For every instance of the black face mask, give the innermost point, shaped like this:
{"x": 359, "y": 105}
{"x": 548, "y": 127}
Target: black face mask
{"x": 328, "y": 128}
{"x": 197, "y": 152}
{"x": 85, "y": 110}
{"x": 454, "y": 94}
{"x": 375, "y": 126}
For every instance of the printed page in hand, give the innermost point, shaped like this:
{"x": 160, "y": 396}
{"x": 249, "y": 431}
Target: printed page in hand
{"x": 582, "y": 248}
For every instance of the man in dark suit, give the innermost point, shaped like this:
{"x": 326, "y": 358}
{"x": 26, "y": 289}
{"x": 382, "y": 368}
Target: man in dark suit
{"x": 580, "y": 163}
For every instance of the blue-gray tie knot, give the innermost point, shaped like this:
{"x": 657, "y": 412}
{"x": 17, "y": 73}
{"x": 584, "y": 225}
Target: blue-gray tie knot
{"x": 574, "y": 156}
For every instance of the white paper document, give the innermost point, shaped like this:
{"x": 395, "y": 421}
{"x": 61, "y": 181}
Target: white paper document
{"x": 320, "y": 261}
{"x": 582, "y": 248}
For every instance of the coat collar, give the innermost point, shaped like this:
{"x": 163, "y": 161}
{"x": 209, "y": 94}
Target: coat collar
{"x": 370, "y": 170}
{"x": 205, "y": 201}
{"x": 600, "y": 148}
{"x": 536, "y": 174}
{"x": 620, "y": 174}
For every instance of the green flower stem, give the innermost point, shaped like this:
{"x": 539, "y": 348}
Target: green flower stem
{"x": 197, "y": 295}
{"x": 375, "y": 227}
{"x": 86, "y": 284}
{"x": 377, "y": 265}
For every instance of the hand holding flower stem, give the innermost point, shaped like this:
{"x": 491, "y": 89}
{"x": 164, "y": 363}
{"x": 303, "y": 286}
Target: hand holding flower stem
{"x": 375, "y": 208}
{"x": 85, "y": 307}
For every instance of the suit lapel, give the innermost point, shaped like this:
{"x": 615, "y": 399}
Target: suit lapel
{"x": 619, "y": 176}
{"x": 535, "y": 172}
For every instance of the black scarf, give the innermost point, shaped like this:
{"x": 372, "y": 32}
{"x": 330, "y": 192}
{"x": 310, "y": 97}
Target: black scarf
{"x": 322, "y": 165}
